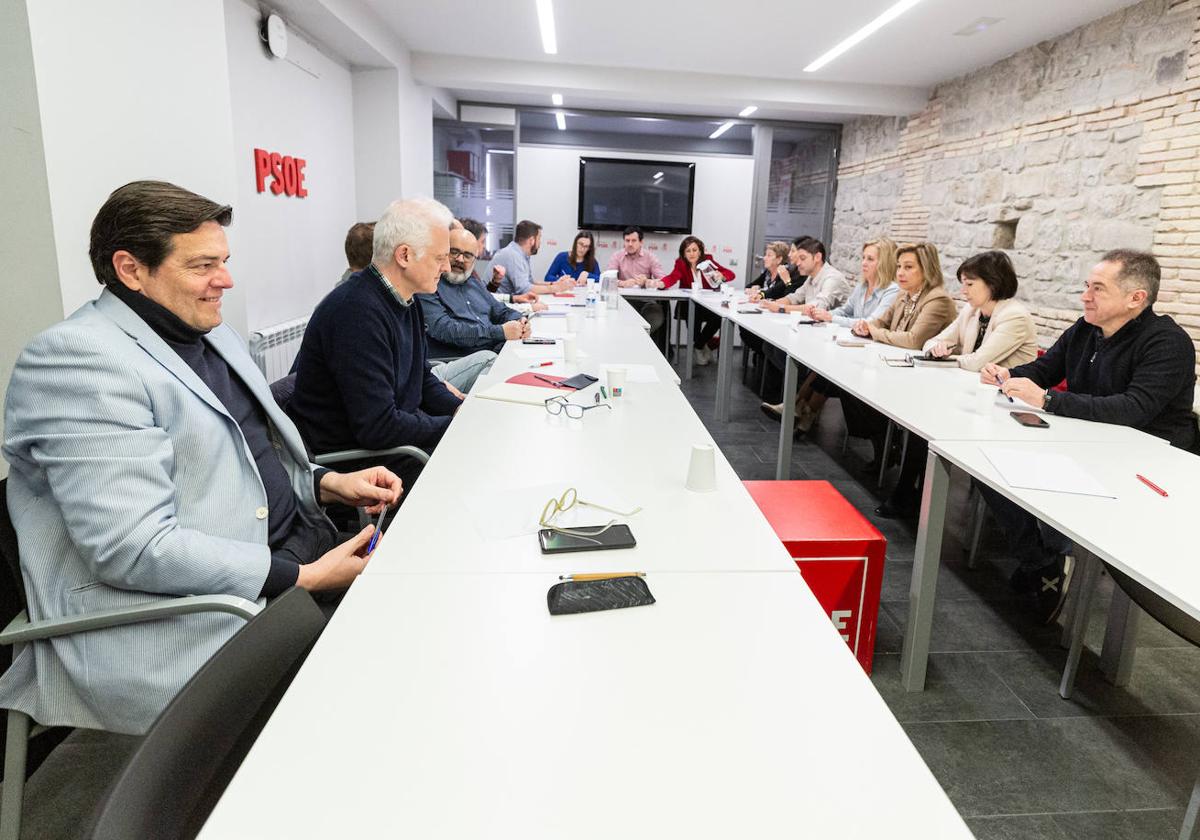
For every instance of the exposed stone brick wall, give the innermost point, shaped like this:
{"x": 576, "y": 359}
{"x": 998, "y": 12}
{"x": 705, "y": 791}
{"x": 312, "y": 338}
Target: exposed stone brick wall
{"x": 1088, "y": 142}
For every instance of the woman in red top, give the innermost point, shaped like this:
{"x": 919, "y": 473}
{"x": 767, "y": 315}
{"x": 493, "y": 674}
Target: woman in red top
{"x": 686, "y": 272}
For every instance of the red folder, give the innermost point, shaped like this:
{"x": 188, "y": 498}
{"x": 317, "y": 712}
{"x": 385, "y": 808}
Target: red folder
{"x": 532, "y": 379}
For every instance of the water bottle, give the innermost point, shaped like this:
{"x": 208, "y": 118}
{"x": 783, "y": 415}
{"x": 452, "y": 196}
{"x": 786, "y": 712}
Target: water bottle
{"x": 593, "y": 297}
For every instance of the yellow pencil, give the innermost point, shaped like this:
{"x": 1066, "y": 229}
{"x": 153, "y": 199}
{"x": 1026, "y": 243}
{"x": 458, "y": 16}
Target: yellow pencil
{"x": 602, "y": 576}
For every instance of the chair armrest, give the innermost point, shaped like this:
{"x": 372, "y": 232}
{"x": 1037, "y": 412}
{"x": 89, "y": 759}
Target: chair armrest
{"x": 359, "y": 454}
{"x": 21, "y": 629}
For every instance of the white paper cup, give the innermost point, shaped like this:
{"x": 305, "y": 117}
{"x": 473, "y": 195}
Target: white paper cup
{"x": 572, "y": 321}
{"x": 570, "y": 347}
{"x": 702, "y": 471}
{"x": 616, "y": 381}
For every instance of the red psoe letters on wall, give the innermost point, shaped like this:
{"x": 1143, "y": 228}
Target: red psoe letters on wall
{"x": 286, "y": 173}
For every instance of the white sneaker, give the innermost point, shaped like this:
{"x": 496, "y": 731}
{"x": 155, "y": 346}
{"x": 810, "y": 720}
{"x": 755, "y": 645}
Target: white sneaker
{"x": 701, "y": 354}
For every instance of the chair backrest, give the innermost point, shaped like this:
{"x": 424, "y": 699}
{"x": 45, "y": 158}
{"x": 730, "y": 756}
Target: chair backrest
{"x": 283, "y": 389}
{"x": 174, "y": 779}
{"x": 12, "y": 586}
{"x": 1157, "y": 607}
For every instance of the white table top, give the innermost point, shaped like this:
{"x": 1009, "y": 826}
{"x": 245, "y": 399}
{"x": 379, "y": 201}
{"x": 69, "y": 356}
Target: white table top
{"x": 673, "y": 293}
{"x": 614, "y": 337}
{"x": 637, "y": 454}
{"x": 455, "y": 706}
{"x": 936, "y": 403}
{"x": 1150, "y": 538}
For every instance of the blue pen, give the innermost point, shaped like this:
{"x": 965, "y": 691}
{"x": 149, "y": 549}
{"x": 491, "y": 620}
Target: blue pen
{"x": 1000, "y": 390}
{"x": 378, "y": 532}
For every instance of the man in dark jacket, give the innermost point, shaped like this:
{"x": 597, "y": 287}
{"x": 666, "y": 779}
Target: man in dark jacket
{"x": 1123, "y": 364}
{"x": 463, "y": 317}
{"x": 362, "y": 377}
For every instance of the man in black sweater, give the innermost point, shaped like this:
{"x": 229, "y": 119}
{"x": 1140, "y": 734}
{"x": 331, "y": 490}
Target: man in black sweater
{"x": 362, "y": 377}
{"x": 1123, "y": 364}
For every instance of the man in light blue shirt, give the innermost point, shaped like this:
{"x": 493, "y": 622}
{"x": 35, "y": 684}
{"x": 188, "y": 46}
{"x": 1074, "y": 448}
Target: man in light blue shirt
{"x": 518, "y": 269}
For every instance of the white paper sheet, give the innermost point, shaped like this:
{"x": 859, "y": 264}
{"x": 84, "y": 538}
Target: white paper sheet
{"x": 542, "y": 352}
{"x": 1041, "y": 470}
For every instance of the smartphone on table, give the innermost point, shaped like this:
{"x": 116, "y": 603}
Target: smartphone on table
{"x": 1028, "y": 418}
{"x": 556, "y": 542}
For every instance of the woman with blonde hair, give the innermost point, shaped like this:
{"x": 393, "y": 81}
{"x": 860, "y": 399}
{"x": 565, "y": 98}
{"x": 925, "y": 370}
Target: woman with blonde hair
{"x": 921, "y": 310}
{"x": 871, "y": 298}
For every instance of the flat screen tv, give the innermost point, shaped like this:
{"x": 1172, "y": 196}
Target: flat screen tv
{"x": 654, "y": 195}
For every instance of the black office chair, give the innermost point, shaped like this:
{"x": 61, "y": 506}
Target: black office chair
{"x": 179, "y": 771}
{"x": 18, "y": 630}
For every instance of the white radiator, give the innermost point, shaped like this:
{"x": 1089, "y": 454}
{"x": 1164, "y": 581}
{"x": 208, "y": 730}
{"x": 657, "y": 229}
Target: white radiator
{"x": 274, "y": 348}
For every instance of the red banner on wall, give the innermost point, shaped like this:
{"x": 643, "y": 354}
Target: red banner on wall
{"x": 286, "y": 173}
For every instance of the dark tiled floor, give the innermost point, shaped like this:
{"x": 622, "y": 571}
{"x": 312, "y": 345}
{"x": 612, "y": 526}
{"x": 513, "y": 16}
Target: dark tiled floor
{"x": 1015, "y": 758}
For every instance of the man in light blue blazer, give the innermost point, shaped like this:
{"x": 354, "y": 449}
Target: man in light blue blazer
{"x": 149, "y": 461}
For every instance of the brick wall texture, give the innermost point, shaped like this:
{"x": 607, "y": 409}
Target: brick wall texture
{"x": 1088, "y": 142}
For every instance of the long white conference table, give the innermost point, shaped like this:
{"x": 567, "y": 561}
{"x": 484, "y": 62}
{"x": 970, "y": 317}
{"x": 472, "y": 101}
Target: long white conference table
{"x": 674, "y": 296}
{"x": 444, "y": 701}
{"x": 942, "y": 406}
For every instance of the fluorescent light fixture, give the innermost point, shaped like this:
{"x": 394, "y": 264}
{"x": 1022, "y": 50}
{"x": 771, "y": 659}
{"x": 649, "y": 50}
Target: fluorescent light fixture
{"x": 861, "y": 35}
{"x": 977, "y": 26}
{"x": 556, "y": 100}
{"x": 546, "y": 23}
{"x": 725, "y": 126}
{"x": 657, "y": 175}
{"x": 500, "y": 151}
{"x": 747, "y": 111}
{"x": 561, "y": 120}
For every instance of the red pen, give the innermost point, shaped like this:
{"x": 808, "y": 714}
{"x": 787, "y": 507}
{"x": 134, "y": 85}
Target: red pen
{"x": 543, "y": 364}
{"x": 1152, "y": 486}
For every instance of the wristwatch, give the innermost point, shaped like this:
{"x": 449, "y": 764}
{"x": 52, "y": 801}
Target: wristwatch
{"x": 1046, "y": 400}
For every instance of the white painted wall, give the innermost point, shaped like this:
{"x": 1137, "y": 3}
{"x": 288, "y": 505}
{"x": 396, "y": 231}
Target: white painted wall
{"x": 416, "y": 134}
{"x": 32, "y": 299}
{"x": 548, "y": 193}
{"x": 129, "y": 89}
{"x": 290, "y": 250}
{"x": 376, "y": 141}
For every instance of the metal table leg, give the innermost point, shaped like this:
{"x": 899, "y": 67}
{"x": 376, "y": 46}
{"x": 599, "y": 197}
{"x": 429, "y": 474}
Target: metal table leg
{"x": 691, "y": 334}
{"x": 1087, "y": 572}
{"x": 783, "y": 463}
{"x": 1188, "y": 830}
{"x": 1120, "y": 638}
{"x": 724, "y": 370}
{"x": 928, "y": 557}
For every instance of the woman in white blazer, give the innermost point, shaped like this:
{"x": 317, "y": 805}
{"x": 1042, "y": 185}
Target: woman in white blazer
{"x": 994, "y": 326}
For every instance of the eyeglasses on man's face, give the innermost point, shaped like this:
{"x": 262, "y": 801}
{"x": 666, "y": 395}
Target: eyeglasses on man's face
{"x": 458, "y": 255}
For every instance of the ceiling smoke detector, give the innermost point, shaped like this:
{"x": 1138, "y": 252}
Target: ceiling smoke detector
{"x": 977, "y": 26}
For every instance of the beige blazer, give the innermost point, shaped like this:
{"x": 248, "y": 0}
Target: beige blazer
{"x": 1010, "y": 340}
{"x": 934, "y": 310}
